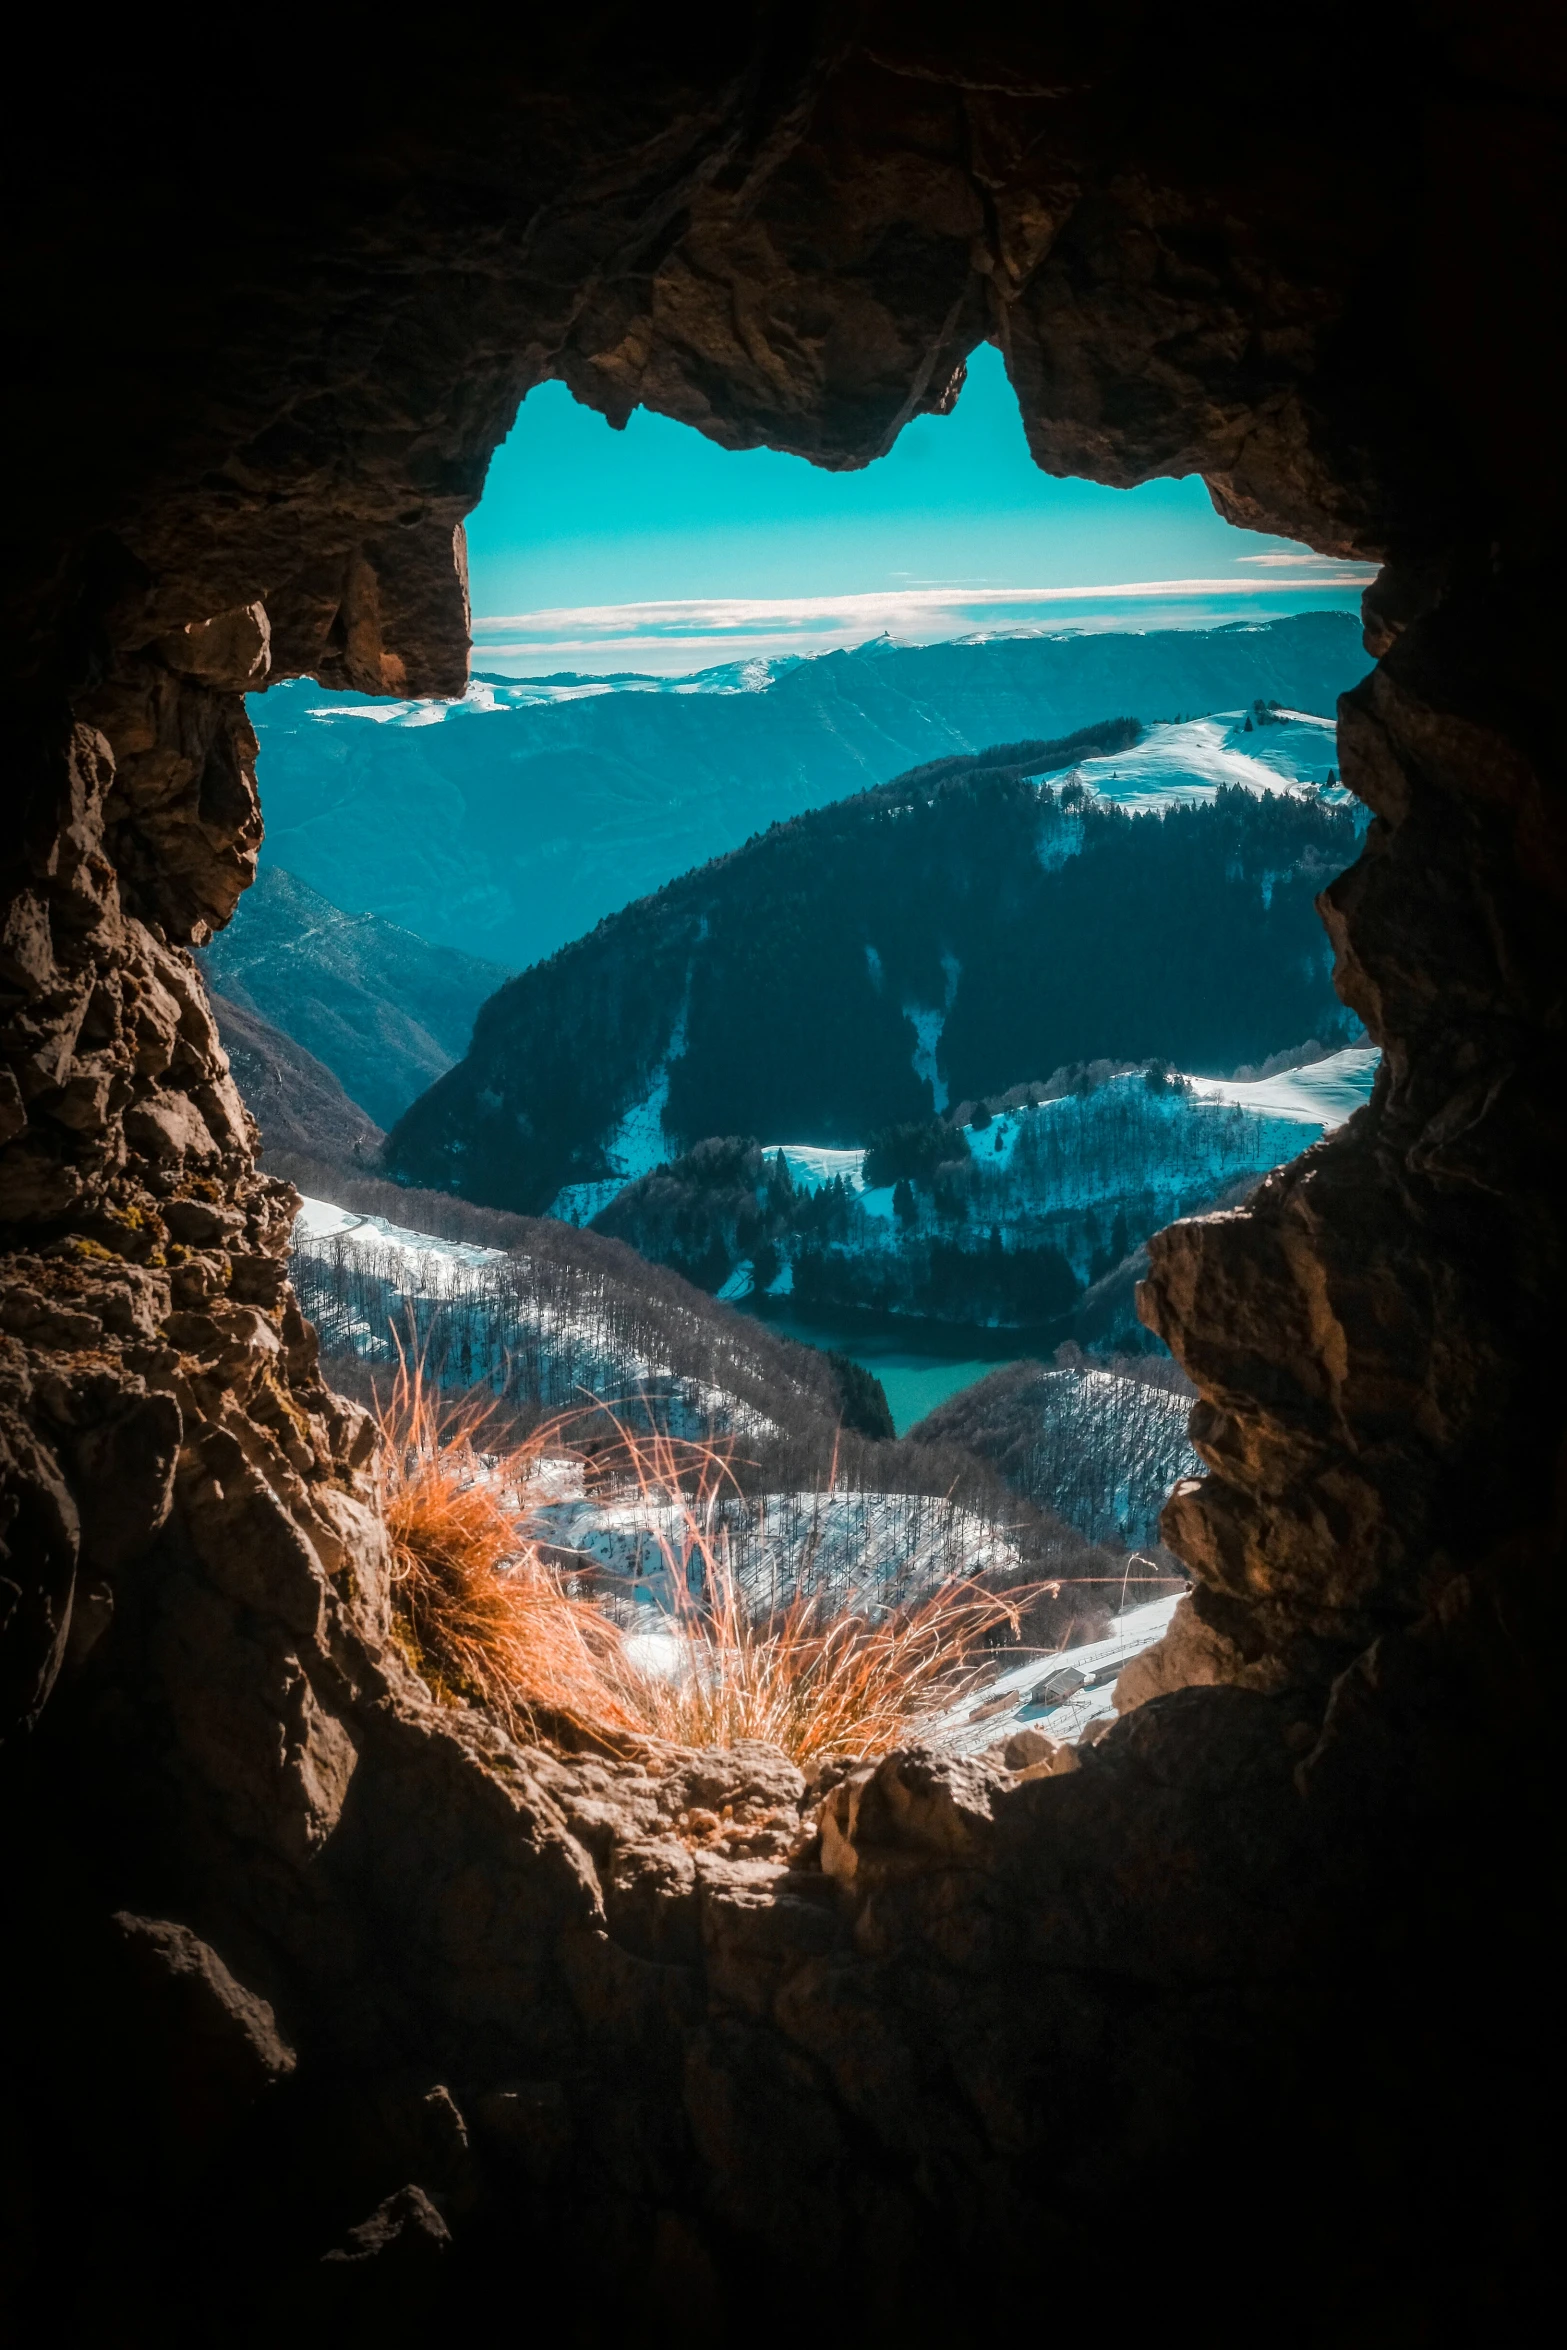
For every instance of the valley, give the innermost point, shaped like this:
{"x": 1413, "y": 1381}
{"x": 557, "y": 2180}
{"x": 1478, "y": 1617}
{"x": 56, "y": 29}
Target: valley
{"x": 386, "y": 1012}
{"x": 918, "y": 1364}
{"x": 602, "y": 1360}
{"x": 831, "y": 1161}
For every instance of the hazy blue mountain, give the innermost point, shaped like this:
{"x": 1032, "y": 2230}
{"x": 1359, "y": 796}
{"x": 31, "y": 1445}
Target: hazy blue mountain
{"x": 386, "y": 1011}
{"x": 961, "y": 929}
{"x": 508, "y": 824}
{"x": 298, "y": 1104}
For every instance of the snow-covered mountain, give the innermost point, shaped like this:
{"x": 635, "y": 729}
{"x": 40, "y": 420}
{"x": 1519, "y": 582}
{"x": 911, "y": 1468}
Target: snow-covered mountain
{"x": 509, "y": 822}
{"x": 988, "y": 918}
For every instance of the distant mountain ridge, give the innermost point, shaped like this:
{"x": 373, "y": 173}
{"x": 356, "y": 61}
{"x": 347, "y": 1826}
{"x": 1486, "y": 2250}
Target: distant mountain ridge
{"x": 507, "y": 824}
{"x": 385, "y": 1010}
{"x": 944, "y": 935}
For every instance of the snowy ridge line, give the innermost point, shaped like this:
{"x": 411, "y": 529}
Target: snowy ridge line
{"x": 487, "y": 695}
{"x": 1323, "y": 1094}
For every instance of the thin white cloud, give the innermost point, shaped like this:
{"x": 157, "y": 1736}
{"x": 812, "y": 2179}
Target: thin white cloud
{"x": 1328, "y": 565}
{"x": 677, "y": 635}
{"x": 879, "y": 608}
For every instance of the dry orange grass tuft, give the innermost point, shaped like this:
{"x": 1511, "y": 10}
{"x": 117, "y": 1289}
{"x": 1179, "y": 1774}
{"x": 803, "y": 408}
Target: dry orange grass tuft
{"x": 484, "y": 1620}
{"x": 811, "y": 1682}
{"x": 478, "y": 1615}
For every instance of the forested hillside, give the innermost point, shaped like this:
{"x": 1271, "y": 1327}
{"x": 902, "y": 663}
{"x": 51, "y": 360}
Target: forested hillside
{"x": 1105, "y": 1440}
{"x": 384, "y": 1010}
{"x": 510, "y": 822}
{"x": 1005, "y": 1219}
{"x": 939, "y": 938}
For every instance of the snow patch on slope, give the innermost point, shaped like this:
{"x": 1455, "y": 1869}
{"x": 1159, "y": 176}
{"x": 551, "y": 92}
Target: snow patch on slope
{"x": 927, "y": 1026}
{"x": 637, "y": 1146}
{"x": 1189, "y": 759}
{"x": 812, "y": 1167}
{"x": 1005, "y": 1705}
{"x": 318, "y": 1219}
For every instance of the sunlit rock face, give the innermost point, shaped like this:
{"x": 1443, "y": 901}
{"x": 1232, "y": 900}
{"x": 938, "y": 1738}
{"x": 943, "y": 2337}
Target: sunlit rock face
{"x": 333, "y": 2005}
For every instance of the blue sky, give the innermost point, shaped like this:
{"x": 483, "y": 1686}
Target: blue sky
{"x": 654, "y": 549}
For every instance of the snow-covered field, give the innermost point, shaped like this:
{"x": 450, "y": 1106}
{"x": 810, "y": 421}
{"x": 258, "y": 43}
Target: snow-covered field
{"x": 1018, "y": 1700}
{"x": 319, "y": 1220}
{"x": 1321, "y": 1095}
{"x": 1190, "y": 758}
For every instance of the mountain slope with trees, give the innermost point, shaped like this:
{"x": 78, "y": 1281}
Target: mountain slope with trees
{"x": 1105, "y": 1440}
{"x": 940, "y": 937}
{"x": 386, "y": 1011}
{"x": 1009, "y": 1220}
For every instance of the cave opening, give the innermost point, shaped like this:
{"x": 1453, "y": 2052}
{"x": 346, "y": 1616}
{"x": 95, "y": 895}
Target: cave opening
{"x": 341, "y": 1994}
{"x": 609, "y": 569}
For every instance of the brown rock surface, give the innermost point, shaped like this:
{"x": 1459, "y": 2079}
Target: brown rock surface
{"x": 1263, "y": 1972}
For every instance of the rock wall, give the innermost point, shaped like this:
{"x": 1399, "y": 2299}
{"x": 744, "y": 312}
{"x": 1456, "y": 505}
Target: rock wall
{"x": 330, "y": 2006}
